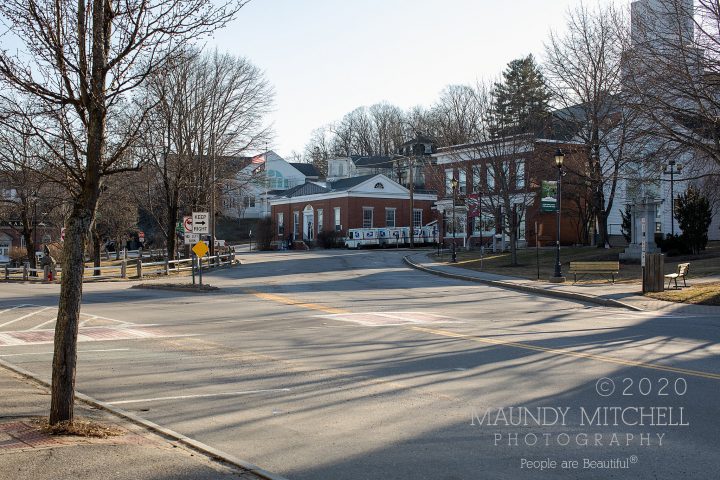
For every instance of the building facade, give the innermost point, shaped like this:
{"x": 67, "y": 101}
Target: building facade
{"x": 369, "y": 201}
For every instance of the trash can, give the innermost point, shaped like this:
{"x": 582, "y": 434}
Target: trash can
{"x": 653, "y": 273}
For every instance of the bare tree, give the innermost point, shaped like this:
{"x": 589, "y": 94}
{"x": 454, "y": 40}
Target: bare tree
{"x": 673, "y": 79}
{"x": 211, "y": 109}
{"x": 584, "y": 69}
{"x": 85, "y": 61}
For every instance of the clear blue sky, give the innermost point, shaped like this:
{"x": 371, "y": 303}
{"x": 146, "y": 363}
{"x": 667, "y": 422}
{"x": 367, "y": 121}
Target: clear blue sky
{"x": 327, "y": 57}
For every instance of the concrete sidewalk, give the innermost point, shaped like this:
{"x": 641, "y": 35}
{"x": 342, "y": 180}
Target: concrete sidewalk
{"x": 136, "y": 454}
{"x": 623, "y": 295}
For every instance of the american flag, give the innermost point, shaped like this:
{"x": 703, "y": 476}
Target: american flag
{"x": 259, "y": 159}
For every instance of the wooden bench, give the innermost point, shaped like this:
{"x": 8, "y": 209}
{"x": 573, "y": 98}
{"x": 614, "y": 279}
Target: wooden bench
{"x": 600, "y": 268}
{"x": 682, "y": 271}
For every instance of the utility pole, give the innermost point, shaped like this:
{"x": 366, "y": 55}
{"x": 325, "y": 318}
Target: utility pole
{"x": 411, "y": 167}
{"x": 212, "y": 198}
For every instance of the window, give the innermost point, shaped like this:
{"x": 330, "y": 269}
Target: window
{"x": 367, "y": 217}
{"x": 520, "y": 174}
{"x": 338, "y": 225}
{"x": 281, "y": 223}
{"x": 475, "y": 179}
{"x": 390, "y": 217}
{"x": 490, "y": 177}
{"x": 379, "y": 186}
{"x": 321, "y": 222}
{"x": 296, "y": 224}
{"x": 462, "y": 182}
{"x": 417, "y": 217}
{"x": 4, "y": 249}
{"x": 448, "y": 181}
{"x": 249, "y": 202}
{"x": 275, "y": 180}
{"x": 486, "y": 224}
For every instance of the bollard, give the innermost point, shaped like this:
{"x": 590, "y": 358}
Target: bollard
{"x": 46, "y": 273}
{"x": 7, "y": 273}
{"x": 25, "y": 272}
{"x": 167, "y": 266}
{"x": 123, "y": 269}
{"x": 139, "y": 268}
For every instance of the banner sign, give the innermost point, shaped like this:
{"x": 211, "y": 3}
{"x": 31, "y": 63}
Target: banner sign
{"x": 473, "y": 204}
{"x": 548, "y": 196}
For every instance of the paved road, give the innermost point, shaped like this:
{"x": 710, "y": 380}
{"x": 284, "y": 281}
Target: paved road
{"x": 348, "y": 365}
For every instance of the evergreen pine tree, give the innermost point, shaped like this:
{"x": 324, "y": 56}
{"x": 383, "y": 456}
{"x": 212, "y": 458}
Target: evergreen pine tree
{"x": 521, "y": 98}
{"x": 693, "y": 212}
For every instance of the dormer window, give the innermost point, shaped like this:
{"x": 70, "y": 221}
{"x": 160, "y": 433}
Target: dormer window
{"x": 379, "y": 186}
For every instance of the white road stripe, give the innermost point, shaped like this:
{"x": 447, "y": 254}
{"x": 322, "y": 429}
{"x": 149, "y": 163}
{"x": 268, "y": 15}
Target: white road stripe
{"x": 38, "y": 327}
{"x": 14, "y": 308}
{"x": 50, "y": 353}
{"x": 206, "y": 395}
{"x": 24, "y": 317}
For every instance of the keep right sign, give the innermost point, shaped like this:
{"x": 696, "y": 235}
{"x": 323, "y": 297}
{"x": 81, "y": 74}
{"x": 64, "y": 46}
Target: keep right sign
{"x": 200, "y": 222}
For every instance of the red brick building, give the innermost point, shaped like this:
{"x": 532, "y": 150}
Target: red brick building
{"x": 370, "y": 201}
{"x": 499, "y": 182}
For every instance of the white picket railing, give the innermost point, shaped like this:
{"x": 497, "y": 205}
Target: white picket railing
{"x": 140, "y": 268}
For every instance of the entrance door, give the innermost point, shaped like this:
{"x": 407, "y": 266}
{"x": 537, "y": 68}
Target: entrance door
{"x": 309, "y": 223}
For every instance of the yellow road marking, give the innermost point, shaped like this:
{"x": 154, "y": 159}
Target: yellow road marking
{"x": 505, "y": 343}
{"x": 289, "y": 301}
{"x": 568, "y": 353}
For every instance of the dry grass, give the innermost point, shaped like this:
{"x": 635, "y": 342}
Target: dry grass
{"x": 79, "y": 428}
{"x": 707, "y": 263}
{"x": 701, "y": 294}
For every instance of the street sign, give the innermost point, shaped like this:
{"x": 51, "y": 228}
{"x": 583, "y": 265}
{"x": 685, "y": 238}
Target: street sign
{"x": 191, "y": 238}
{"x": 179, "y": 229}
{"x": 219, "y": 243}
{"x": 200, "y": 222}
{"x": 643, "y": 222}
{"x": 200, "y": 248}
{"x": 187, "y": 224}
{"x": 141, "y": 237}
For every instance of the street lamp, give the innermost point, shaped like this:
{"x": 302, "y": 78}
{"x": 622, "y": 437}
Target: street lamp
{"x": 559, "y": 159}
{"x": 454, "y": 184}
{"x": 671, "y": 169}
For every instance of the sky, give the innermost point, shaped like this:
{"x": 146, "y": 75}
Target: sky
{"x": 328, "y": 57}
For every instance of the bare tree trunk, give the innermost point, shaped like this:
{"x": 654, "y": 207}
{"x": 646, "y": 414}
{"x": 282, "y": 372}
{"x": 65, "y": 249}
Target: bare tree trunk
{"x": 172, "y": 221}
{"x": 96, "y": 251}
{"x": 66, "y": 328}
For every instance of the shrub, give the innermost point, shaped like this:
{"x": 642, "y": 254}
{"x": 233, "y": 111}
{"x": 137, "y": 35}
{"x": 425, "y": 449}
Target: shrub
{"x": 672, "y": 245}
{"x": 626, "y": 227}
{"x": 694, "y": 215}
{"x": 264, "y": 231}
{"x": 329, "y": 239}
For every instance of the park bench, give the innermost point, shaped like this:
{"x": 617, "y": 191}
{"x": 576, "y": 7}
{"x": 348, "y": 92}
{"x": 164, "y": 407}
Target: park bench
{"x": 682, "y": 271}
{"x": 599, "y": 268}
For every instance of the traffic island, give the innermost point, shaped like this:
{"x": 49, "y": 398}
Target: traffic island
{"x": 178, "y": 287}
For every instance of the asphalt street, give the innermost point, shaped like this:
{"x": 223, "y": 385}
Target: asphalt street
{"x": 350, "y": 365}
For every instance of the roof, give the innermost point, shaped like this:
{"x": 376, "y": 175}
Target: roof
{"x": 307, "y": 169}
{"x": 308, "y": 188}
{"x": 372, "y": 161}
{"x": 348, "y": 183}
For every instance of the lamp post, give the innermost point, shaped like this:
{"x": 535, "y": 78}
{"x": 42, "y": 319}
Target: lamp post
{"x": 454, "y": 183}
{"x": 559, "y": 159}
{"x": 671, "y": 169}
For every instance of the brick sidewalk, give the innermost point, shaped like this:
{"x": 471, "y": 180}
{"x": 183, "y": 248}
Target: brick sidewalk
{"x": 135, "y": 454}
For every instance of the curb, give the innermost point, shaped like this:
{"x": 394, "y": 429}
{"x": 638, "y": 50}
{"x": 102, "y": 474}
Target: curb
{"x": 200, "y": 447}
{"x": 605, "y": 302}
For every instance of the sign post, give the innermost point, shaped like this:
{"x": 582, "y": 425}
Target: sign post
{"x": 643, "y": 248}
{"x": 200, "y": 249}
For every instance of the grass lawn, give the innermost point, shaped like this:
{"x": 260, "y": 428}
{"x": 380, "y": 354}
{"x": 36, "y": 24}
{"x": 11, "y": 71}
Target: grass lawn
{"x": 707, "y": 263}
{"x": 700, "y": 294}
